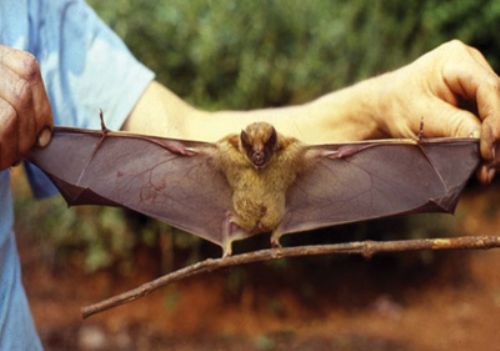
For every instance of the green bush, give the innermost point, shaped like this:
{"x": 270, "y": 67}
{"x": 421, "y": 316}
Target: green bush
{"x": 247, "y": 54}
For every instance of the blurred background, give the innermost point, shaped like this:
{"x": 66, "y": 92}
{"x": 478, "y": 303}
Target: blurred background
{"x": 251, "y": 54}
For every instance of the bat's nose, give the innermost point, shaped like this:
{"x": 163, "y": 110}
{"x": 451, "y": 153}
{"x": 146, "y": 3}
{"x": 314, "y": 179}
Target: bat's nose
{"x": 258, "y": 158}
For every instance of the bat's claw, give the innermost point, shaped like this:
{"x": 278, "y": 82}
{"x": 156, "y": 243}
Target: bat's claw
{"x": 227, "y": 249}
{"x": 177, "y": 147}
{"x": 343, "y": 152}
{"x": 104, "y": 129}
{"x": 420, "y": 135}
{"x": 275, "y": 244}
{"x": 275, "y": 240}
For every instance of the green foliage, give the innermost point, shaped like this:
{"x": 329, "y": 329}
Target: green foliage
{"x": 249, "y": 54}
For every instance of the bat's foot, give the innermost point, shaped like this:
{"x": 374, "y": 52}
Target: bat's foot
{"x": 275, "y": 240}
{"x": 227, "y": 249}
{"x": 230, "y": 231}
{"x": 275, "y": 244}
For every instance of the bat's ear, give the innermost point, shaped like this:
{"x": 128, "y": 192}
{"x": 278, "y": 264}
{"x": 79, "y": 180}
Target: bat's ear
{"x": 245, "y": 140}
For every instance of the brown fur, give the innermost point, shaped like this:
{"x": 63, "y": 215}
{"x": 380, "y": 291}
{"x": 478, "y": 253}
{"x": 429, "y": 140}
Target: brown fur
{"x": 259, "y": 194}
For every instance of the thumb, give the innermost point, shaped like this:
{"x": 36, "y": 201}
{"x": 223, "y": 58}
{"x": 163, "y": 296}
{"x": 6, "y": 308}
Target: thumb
{"x": 450, "y": 121}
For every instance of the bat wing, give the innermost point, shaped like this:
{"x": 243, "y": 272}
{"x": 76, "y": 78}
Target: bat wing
{"x": 171, "y": 180}
{"x": 354, "y": 182}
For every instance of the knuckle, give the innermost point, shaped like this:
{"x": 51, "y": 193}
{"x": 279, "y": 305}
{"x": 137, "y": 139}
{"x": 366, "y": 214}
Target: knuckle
{"x": 8, "y": 116}
{"x": 487, "y": 131}
{"x": 457, "y": 43}
{"x": 22, "y": 93}
{"x": 475, "y": 51}
{"x": 494, "y": 131}
{"x": 30, "y": 67}
{"x": 494, "y": 84}
{"x": 490, "y": 87}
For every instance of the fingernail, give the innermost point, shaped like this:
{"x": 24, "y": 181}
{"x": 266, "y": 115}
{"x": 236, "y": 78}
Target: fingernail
{"x": 491, "y": 174}
{"x": 44, "y": 137}
{"x": 475, "y": 133}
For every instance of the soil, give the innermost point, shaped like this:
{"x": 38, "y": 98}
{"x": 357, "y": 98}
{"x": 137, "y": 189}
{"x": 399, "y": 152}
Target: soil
{"x": 448, "y": 301}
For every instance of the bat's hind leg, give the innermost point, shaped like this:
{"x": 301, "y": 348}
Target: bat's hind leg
{"x": 275, "y": 239}
{"x": 231, "y": 232}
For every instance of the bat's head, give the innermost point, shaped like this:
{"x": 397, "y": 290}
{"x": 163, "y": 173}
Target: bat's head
{"x": 259, "y": 141}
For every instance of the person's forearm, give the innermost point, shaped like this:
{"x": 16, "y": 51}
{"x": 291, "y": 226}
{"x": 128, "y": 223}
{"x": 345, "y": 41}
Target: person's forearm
{"x": 159, "y": 112}
{"x": 343, "y": 115}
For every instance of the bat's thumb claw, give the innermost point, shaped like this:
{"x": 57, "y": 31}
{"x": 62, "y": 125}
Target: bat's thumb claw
{"x": 44, "y": 137}
{"x": 189, "y": 152}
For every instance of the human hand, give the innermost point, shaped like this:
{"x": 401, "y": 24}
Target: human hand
{"x": 25, "y": 114}
{"x": 456, "y": 93}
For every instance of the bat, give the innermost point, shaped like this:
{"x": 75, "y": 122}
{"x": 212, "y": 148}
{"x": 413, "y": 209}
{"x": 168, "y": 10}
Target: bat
{"x": 256, "y": 181}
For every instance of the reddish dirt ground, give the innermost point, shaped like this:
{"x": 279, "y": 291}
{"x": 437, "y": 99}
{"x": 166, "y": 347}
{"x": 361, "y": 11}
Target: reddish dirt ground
{"x": 451, "y": 303}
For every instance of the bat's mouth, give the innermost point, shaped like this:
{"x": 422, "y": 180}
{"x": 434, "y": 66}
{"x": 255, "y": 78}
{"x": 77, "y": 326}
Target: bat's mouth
{"x": 259, "y": 161}
{"x": 259, "y": 166}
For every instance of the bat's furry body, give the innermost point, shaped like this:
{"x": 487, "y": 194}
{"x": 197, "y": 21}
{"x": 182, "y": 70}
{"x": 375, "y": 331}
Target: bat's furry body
{"x": 258, "y": 194}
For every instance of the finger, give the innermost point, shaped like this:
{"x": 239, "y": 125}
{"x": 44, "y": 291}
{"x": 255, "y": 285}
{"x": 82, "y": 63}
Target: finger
{"x": 483, "y": 87}
{"x": 486, "y": 174}
{"x": 9, "y": 150}
{"x": 20, "y": 62}
{"x": 490, "y": 146}
{"x": 43, "y": 111}
{"x": 25, "y": 66}
{"x": 17, "y": 93}
{"x": 447, "y": 120}
{"x": 490, "y": 149}
{"x": 479, "y": 58}
{"x": 490, "y": 133}
{"x": 473, "y": 82}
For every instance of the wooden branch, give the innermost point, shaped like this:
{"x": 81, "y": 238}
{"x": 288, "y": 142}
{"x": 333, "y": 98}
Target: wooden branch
{"x": 365, "y": 248}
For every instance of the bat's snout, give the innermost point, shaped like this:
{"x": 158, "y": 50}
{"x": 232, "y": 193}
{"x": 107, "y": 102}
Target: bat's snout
{"x": 259, "y": 159}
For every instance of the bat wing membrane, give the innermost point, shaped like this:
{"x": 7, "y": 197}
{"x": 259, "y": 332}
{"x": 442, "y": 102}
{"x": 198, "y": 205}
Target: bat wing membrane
{"x": 379, "y": 179}
{"x": 181, "y": 188}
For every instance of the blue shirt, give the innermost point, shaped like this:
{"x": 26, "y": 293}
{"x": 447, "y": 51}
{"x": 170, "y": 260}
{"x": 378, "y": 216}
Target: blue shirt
{"x": 85, "y": 67}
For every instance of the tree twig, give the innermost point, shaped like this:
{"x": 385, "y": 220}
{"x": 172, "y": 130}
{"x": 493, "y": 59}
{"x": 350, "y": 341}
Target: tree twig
{"x": 365, "y": 248}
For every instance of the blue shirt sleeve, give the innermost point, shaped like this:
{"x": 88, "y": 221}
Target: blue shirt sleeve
{"x": 85, "y": 67}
